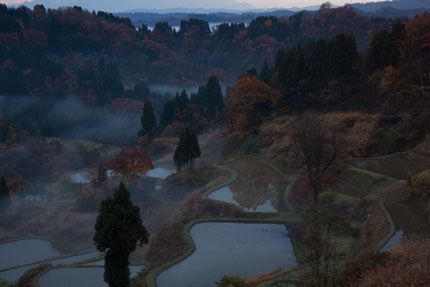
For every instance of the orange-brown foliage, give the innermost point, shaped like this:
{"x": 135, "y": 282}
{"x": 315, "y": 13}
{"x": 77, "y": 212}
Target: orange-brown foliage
{"x": 248, "y": 101}
{"x": 408, "y": 265}
{"x": 130, "y": 162}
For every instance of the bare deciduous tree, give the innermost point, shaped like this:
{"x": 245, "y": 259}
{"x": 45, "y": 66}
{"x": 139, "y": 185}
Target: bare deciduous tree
{"x": 316, "y": 147}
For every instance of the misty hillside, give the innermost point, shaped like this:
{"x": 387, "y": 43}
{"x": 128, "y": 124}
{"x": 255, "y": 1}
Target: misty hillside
{"x": 228, "y": 149}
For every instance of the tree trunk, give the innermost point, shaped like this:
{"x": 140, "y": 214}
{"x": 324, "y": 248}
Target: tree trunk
{"x": 316, "y": 194}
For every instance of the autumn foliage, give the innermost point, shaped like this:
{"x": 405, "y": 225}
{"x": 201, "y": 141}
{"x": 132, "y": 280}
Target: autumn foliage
{"x": 130, "y": 162}
{"x": 248, "y": 102}
{"x": 419, "y": 185}
{"x": 407, "y": 265}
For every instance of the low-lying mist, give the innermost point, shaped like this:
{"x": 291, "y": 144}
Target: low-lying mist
{"x": 70, "y": 118}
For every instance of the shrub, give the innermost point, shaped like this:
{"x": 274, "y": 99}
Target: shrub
{"x": 228, "y": 281}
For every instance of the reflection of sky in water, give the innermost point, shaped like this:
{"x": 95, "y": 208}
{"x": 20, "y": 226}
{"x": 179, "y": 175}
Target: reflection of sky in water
{"x": 25, "y": 251}
{"x": 235, "y": 249}
{"x": 257, "y": 188}
{"x": 82, "y": 277}
{"x": 80, "y": 177}
{"x": 394, "y": 241}
{"x": 159, "y": 172}
{"x": 15, "y": 274}
{"x": 225, "y": 194}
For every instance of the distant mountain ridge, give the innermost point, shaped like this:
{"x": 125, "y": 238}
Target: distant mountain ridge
{"x": 397, "y": 4}
{"x": 127, "y": 5}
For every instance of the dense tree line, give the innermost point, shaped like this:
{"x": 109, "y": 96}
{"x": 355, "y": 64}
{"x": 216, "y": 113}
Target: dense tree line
{"x": 391, "y": 76}
{"x": 41, "y": 42}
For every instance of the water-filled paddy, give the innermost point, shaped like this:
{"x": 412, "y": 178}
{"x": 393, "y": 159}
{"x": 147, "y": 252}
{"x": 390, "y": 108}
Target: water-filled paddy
{"x": 15, "y": 274}
{"x": 394, "y": 242}
{"x": 82, "y": 277}
{"x": 159, "y": 172}
{"x": 225, "y": 194}
{"x": 25, "y": 251}
{"x": 80, "y": 177}
{"x": 410, "y": 222}
{"x": 239, "y": 249}
{"x": 257, "y": 188}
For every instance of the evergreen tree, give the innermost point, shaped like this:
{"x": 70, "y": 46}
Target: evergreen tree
{"x": 252, "y": 72}
{"x": 141, "y": 91}
{"x": 4, "y": 195}
{"x": 148, "y": 119}
{"x": 167, "y": 115}
{"x": 187, "y": 150}
{"x": 209, "y": 99}
{"x": 119, "y": 229}
{"x": 343, "y": 56}
{"x": 214, "y": 96}
{"x": 266, "y": 72}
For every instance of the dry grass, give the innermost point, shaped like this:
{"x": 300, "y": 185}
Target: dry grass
{"x": 408, "y": 265}
{"x": 254, "y": 282}
{"x": 376, "y": 227}
{"x": 357, "y": 129}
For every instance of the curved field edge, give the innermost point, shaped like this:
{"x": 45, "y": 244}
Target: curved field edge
{"x": 47, "y": 260}
{"x": 41, "y": 270}
{"x": 289, "y": 178}
{"x": 151, "y": 276}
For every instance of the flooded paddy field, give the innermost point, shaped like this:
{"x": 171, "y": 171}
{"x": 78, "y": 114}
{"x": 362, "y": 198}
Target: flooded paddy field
{"x": 257, "y": 187}
{"x": 238, "y": 249}
{"x": 79, "y": 276}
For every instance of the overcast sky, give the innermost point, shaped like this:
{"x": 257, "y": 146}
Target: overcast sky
{"x": 297, "y": 3}
{"x": 261, "y": 3}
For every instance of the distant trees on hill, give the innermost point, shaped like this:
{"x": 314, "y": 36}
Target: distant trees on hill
{"x": 37, "y": 48}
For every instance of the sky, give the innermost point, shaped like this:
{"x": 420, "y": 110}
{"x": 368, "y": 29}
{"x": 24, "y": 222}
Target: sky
{"x": 298, "y": 3}
{"x": 263, "y": 3}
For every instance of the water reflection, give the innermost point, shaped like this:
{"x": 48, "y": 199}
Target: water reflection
{"x": 25, "y": 251}
{"x": 257, "y": 188}
{"x": 82, "y": 277}
{"x": 237, "y": 249}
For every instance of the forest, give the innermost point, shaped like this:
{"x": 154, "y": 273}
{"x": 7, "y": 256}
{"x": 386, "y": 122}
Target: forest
{"x": 297, "y": 148}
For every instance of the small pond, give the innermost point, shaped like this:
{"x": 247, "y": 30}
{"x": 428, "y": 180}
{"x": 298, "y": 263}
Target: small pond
{"x": 79, "y": 277}
{"x": 257, "y": 188}
{"x": 237, "y": 249}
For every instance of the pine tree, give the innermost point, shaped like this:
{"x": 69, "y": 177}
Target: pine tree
{"x": 266, "y": 72}
{"x": 119, "y": 229}
{"x": 215, "y": 99}
{"x": 179, "y": 157}
{"x": 148, "y": 119}
{"x": 187, "y": 150}
{"x": 4, "y": 195}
